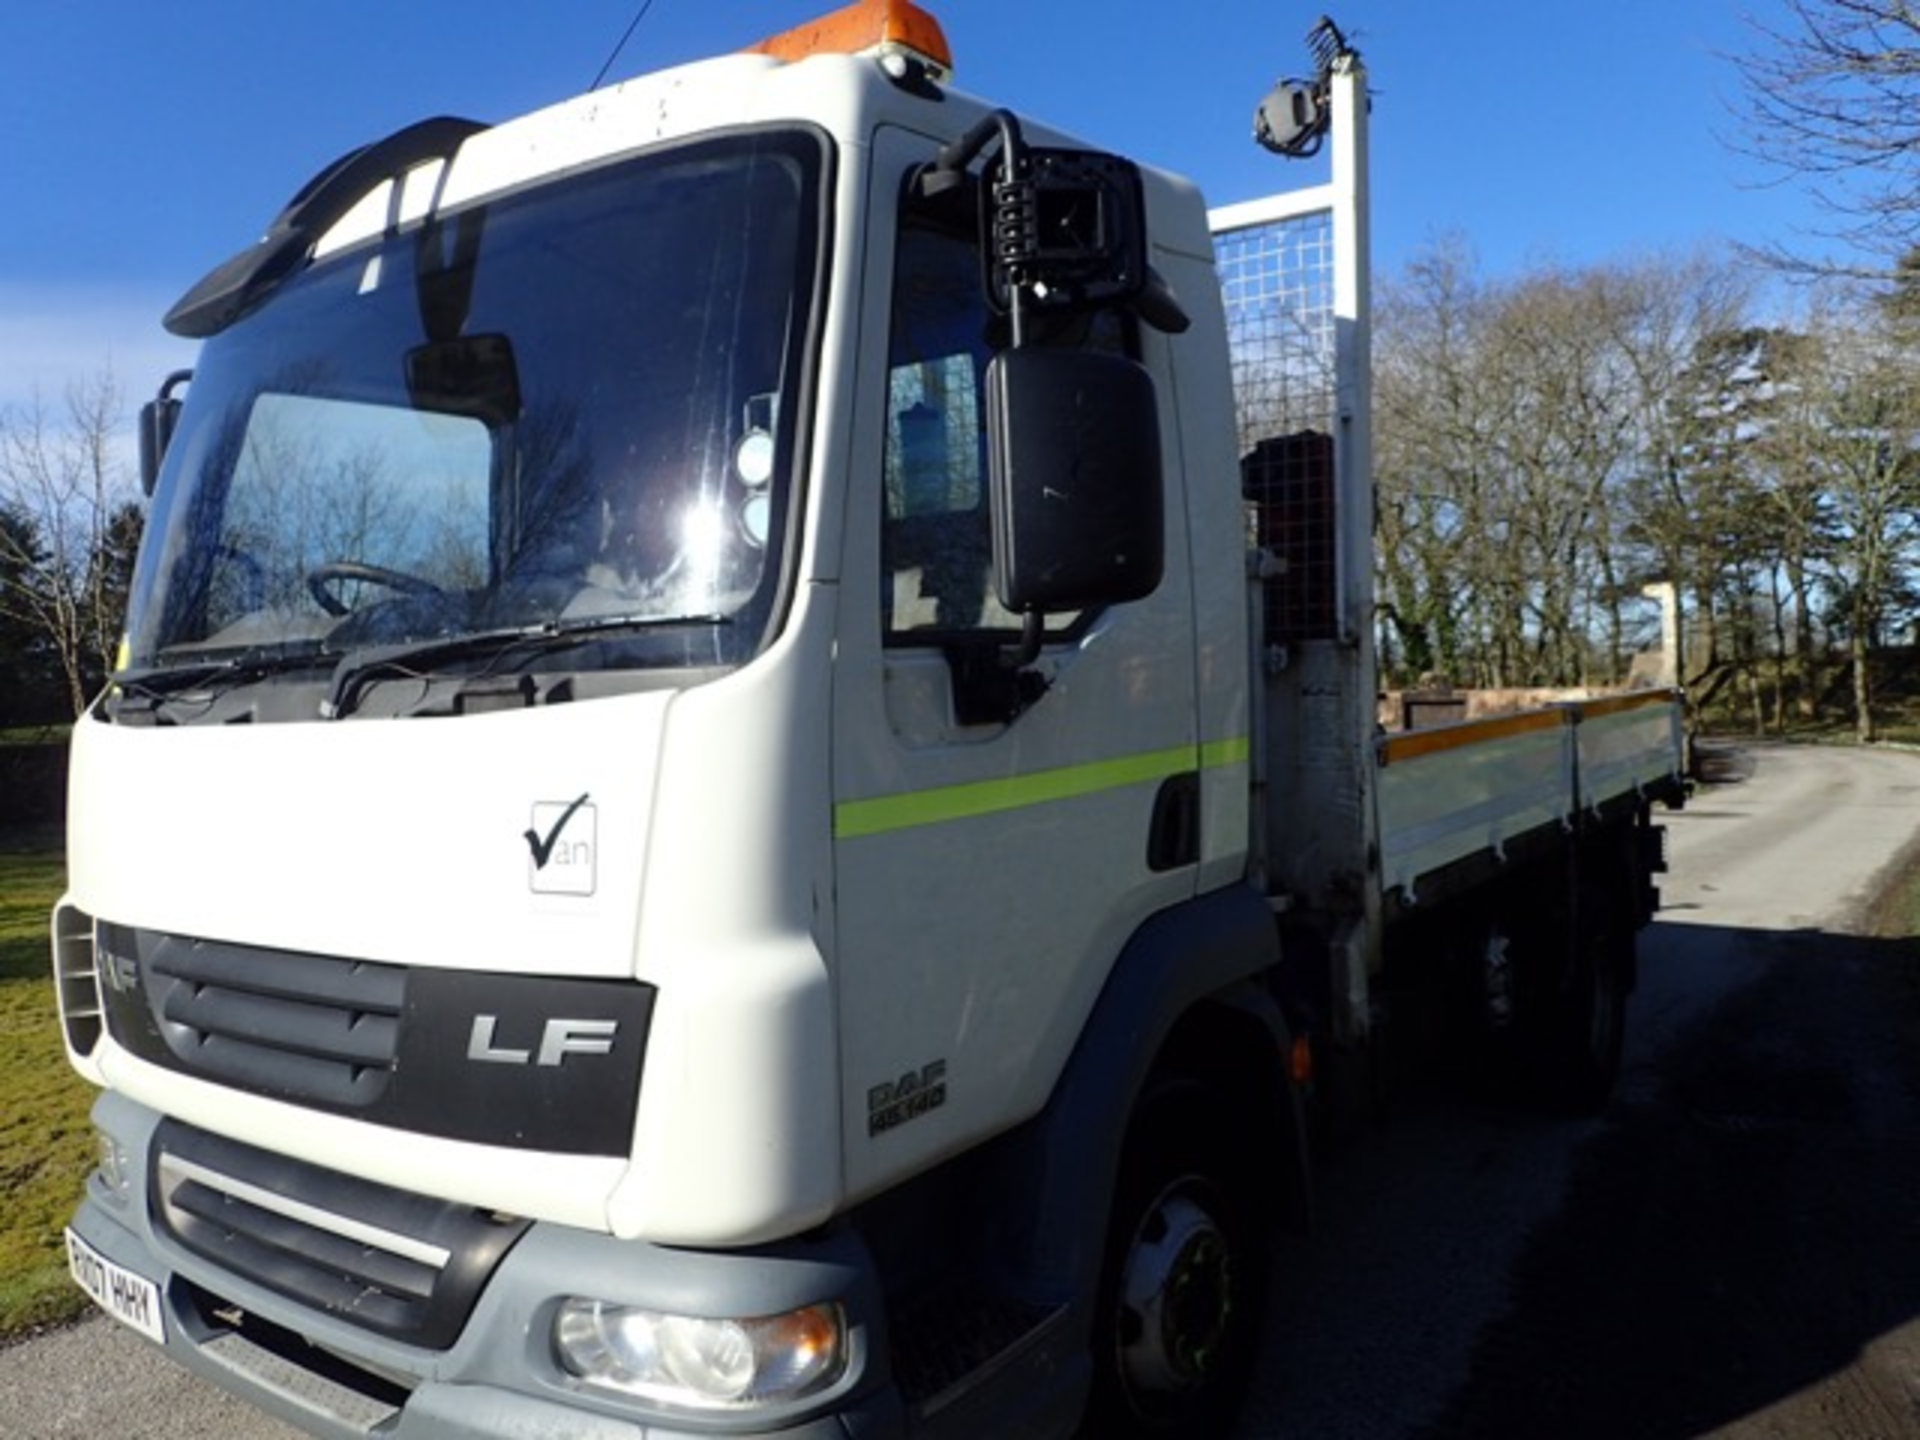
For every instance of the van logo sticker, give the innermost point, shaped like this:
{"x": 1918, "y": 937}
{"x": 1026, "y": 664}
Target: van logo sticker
{"x": 563, "y": 844}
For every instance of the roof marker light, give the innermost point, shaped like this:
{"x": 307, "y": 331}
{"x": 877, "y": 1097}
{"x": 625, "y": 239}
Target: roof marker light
{"x": 867, "y": 27}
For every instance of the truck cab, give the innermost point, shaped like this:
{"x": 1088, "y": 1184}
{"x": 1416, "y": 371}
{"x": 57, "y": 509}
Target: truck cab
{"x": 672, "y": 742}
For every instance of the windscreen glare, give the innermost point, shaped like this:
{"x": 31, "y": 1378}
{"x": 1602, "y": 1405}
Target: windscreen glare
{"x": 572, "y": 406}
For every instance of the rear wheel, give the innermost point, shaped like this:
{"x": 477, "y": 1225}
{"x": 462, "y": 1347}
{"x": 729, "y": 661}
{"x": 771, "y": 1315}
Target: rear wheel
{"x": 1185, "y": 1275}
{"x": 1571, "y": 972}
{"x": 1591, "y": 1011}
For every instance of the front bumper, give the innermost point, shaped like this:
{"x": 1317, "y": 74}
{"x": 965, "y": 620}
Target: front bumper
{"x": 498, "y": 1377}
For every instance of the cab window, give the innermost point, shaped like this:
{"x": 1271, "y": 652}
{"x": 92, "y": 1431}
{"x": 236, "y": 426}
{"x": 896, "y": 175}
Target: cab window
{"x": 936, "y": 552}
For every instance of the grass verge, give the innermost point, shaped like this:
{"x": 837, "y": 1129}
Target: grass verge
{"x": 46, "y": 1142}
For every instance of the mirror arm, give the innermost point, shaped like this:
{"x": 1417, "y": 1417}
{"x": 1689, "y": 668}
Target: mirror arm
{"x": 1008, "y": 683}
{"x": 1012, "y": 203}
{"x": 1032, "y": 633}
{"x": 993, "y": 685}
{"x": 950, "y": 166}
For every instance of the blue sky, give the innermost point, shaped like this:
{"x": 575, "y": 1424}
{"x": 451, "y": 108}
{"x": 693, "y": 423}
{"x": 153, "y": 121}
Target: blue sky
{"x": 144, "y": 143}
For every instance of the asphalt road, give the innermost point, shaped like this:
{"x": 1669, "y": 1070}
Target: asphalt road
{"x": 1732, "y": 1250}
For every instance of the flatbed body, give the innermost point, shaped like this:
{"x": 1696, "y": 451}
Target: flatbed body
{"x": 1467, "y": 794}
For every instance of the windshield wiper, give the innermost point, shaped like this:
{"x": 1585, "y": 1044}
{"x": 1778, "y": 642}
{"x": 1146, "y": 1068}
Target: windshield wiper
{"x": 421, "y": 659}
{"x": 159, "y": 683}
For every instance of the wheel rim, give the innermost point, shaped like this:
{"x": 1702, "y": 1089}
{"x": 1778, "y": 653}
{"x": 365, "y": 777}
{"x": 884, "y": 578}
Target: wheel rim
{"x": 1176, "y": 1299}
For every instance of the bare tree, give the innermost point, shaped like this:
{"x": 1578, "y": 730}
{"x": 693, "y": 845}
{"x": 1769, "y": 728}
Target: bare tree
{"x": 1832, "y": 99}
{"x": 56, "y": 578}
{"x": 1430, "y": 417}
{"x": 1532, "y": 475}
{"x": 1862, "y": 417}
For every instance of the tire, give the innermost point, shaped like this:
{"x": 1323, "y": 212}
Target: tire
{"x": 1185, "y": 1275}
{"x": 1591, "y": 1018}
{"x": 1572, "y": 974}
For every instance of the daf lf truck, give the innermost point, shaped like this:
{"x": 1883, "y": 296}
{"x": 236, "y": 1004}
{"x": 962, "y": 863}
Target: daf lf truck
{"x": 745, "y": 793}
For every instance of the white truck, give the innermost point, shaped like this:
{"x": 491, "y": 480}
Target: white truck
{"x": 738, "y": 799}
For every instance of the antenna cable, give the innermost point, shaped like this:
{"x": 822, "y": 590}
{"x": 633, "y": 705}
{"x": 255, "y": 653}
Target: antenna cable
{"x": 631, "y": 27}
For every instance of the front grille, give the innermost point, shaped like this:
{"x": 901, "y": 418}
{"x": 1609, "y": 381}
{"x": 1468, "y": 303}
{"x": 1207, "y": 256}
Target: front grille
{"x": 76, "y": 979}
{"x": 402, "y": 1265}
{"x": 356, "y": 1399}
{"x": 534, "y": 1062}
{"x": 311, "y": 1027}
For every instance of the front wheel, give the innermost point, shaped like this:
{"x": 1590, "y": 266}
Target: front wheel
{"x": 1185, "y": 1275}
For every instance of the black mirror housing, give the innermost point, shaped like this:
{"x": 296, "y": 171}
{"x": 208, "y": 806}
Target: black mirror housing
{"x": 159, "y": 417}
{"x": 1070, "y": 231}
{"x": 1076, "y": 489}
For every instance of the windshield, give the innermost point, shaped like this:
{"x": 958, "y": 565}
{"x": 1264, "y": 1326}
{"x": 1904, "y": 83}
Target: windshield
{"x": 568, "y": 411}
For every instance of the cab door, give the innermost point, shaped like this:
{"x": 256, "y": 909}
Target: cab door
{"x": 997, "y": 834}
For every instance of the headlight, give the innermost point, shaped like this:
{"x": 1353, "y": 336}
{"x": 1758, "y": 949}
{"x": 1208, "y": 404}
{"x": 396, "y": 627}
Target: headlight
{"x": 699, "y": 1363}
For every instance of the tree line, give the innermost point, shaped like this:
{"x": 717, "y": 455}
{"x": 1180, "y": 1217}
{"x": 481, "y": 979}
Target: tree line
{"x": 1549, "y": 446}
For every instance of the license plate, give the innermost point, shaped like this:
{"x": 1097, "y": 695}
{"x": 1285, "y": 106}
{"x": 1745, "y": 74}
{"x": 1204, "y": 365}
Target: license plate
{"x": 131, "y": 1299}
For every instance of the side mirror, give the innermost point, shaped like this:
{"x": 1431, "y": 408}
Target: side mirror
{"x": 159, "y": 417}
{"x": 1062, "y": 230}
{"x": 1075, "y": 485}
{"x": 1069, "y": 230}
